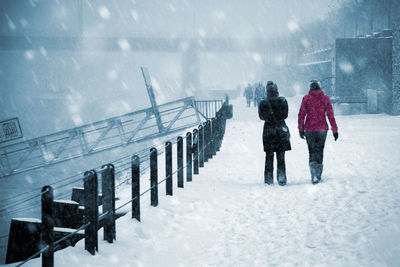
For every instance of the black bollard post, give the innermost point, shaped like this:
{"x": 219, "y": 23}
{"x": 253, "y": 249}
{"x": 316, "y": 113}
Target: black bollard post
{"x": 214, "y": 136}
{"x": 201, "y": 146}
{"x": 221, "y": 132}
{"x": 168, "y": 168}
{"x": 108, "y": 198}
{"x": 206, "y": 141}
{"x": 113, "y": 200}
{"x": 210, "y": 141}
{"x": 179, "y": 149}
{"x": 218, "y": 143}
{"x": 91, "y": 212}
{"x": 135, "y": 163}
{"x": 153, "y": 177}
{"x": 195, "y": 151}
{"x": 227, "y": 99}
{"x": 189, "y": 156}
{"x": 47, "y": 226}
{"x": 216, "y": 133}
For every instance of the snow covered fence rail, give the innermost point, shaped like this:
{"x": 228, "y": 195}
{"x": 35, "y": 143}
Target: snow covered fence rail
{"x": 201, "y": 145}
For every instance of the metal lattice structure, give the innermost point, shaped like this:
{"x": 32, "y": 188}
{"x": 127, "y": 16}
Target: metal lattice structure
{"x": 100, "y": 136}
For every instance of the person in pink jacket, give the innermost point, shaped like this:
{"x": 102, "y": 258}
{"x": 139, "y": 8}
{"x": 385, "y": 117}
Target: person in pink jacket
{"x": 314, "y": 109}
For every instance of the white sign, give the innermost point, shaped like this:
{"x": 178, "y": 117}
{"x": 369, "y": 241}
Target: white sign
{"x": 10, "y": 130}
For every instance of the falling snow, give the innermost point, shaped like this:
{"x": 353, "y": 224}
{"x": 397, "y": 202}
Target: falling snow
{"x": 124, "y": 44}
{"x": 104, "y": 12}
{"x": 64, "y": 64}
{"x": 346, "y": 67}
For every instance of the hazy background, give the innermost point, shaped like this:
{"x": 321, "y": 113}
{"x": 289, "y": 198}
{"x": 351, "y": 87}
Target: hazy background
{"x": 51, "y": 89}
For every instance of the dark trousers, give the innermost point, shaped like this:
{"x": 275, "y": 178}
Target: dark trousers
{"x": 269, "y": 165}
{"x": 316, "y": 144}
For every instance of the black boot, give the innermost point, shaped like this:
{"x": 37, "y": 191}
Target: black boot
{"x": 281, "y": 177}
{"x": 268, "y": 178}
{"x": 269, "y": 168}
{"x": 319, "y": 168}
{"x": 313, "y": 171}
{"x": 281, "y": 172}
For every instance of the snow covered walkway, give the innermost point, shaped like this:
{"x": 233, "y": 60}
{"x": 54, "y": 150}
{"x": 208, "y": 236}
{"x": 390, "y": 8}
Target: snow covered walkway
{"x": 228, "y": 217}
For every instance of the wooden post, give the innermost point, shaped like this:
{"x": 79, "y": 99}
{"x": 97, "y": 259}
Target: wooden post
{"x": 91, "y": 211}
{"x": 24, "y": 239}
{"x": 135, "y": 163}
{"x": 47, "y": 226}
{"x": 195, "y": 151}
{"x": 201, "y": 146}
{"x": 189, "y": 156}
{"x": 168, "y": 168}
{"x": 108, "y": 183}
{"x": 66, "y": 214}
{"x": 153, "y": 177}
{"x": 179, "y": 149}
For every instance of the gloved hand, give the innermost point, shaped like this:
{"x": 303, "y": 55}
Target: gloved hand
{"x": 336, "y": 136}
{"x": 301, "y": 133}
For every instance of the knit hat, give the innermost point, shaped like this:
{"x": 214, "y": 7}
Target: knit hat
{"x": 314, "y": 85}
{"x": 272, "y": 90}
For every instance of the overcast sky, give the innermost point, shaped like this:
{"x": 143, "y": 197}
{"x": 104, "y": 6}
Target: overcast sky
{"x": 160, "y": 18}
{"x": 66, "y": 82}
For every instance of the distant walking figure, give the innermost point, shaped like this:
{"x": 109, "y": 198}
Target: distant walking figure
{"x": 259, "y": 94}
{"x": 314, "y": 109}
{"x": 248, "y": 93}
{"x": 276, "y": 136}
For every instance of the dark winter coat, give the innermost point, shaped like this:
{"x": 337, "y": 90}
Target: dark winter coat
{"x": 274, "y": 110}
{"x": 315, "y": 107}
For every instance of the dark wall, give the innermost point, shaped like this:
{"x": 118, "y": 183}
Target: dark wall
{"x": 361, "y": 64}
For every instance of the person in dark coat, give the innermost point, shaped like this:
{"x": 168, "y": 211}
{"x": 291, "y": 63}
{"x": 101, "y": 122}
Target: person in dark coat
{"x": 276, "y": 136}
{"x": 248, "y": 93}
{"x": 314, "y": 109}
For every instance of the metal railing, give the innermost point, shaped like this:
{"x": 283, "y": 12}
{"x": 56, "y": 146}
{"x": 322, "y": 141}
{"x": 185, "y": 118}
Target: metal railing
{"x": 205, "y": 141}
{"x": 316, "y": 57}
{"x": 97, "y": 137}
{"x": 208, "y": 108}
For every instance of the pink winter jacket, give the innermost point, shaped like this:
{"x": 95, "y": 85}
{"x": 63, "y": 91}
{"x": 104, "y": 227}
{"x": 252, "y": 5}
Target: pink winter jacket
{"x": 313, "y": 109}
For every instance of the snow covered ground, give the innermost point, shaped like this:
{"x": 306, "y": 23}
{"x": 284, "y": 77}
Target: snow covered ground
{"x": 228, "y": 217}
